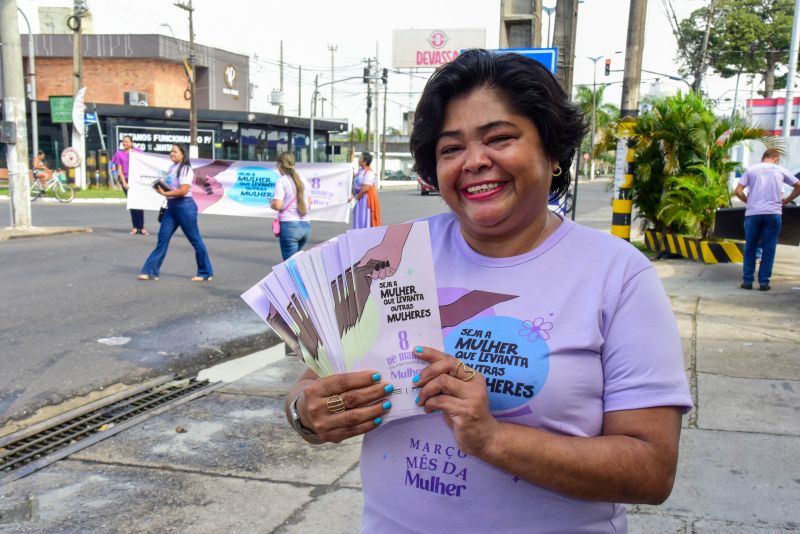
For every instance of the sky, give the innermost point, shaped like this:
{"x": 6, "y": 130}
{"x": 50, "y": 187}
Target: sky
{"x": 363, "y": 28}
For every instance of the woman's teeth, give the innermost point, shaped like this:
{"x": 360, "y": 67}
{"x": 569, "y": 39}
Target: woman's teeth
{"x": 482, "y": 188}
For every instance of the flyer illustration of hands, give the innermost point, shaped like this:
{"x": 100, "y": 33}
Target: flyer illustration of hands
{"x": 360, "y": 301}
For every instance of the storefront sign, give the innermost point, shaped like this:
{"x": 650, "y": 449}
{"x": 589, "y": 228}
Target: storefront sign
{"x": 60, "y": 109}
{"x": 431, "y": 48}
{"x": 243, "y": 188}
{"x": 160, "y": 140}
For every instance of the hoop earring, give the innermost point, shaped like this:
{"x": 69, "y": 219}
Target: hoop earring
{"x": 557, "y": 171}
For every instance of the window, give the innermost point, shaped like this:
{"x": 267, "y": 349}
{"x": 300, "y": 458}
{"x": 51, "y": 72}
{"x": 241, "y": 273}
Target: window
{"x": 277, "y": 142}
{"x": 300, "y": 146}
{"x": 254, "y": 144}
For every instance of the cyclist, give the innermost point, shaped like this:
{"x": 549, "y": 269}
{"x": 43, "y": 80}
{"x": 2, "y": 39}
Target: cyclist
{"x": 41, "y": 171}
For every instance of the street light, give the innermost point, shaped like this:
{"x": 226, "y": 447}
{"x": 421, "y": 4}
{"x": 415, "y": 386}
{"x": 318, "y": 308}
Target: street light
{"x": 594, "y": 105}
{"x": 549, "y": 11}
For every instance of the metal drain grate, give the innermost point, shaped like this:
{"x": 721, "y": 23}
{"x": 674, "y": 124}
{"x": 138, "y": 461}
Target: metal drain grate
{"x": 31, "y": 449}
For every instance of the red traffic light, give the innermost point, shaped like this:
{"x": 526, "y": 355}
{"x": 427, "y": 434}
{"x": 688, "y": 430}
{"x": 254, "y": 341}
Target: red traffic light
{"x": 608, "y": 66}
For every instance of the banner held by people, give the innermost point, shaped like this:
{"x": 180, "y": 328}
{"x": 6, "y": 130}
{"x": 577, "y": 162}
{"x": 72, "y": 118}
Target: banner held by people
{"x": 242, "y": 188}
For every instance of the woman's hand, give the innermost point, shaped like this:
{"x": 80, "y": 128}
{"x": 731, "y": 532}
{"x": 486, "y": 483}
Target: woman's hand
{"x": 345, "y": 405}
{"x": 449, "y": 385}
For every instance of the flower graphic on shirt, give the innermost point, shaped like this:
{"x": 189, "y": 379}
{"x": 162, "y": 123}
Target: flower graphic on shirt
{"x": 536, "y": 329}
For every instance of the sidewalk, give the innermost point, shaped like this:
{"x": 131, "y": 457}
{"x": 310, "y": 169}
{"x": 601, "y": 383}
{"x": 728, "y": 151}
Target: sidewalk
{"x": 238, "y": 467}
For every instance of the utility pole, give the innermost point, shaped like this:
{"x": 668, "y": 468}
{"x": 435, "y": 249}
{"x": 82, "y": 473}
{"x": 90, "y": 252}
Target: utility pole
{"x": 377, "y": 96}
{"x": 787, "y": 108}
{"x": 14, "y": 116}
{"x": 78, "y": 139}
{"x": 333, "y": 49}
{"x": 385, "y": 79}
{"x": 367, "y": 76}
{"x": 193, "y": 149}
{"x": 280, "y": 107}
{"x": 32, "y": 85}
{"x": 564, "y": 39}
{"x": 594, "y": 61}
{"x": 622, "y": 205}
{"x": 300, "y": 91}
{"x": 77, "y": 53}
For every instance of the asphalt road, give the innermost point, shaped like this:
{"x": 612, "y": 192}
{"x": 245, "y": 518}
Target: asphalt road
{"x": 65, "y": 300}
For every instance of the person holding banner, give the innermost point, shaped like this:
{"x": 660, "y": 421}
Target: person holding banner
{"x": 558, "y": 395}
{"x": 367, "y": 210}
{"x": 181, "y": 212}
{"x": 121, "y": 161}
{"x": 292, "y": 203}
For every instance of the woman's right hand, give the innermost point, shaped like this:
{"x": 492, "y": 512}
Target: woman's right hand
{"x": 365, "y": 399}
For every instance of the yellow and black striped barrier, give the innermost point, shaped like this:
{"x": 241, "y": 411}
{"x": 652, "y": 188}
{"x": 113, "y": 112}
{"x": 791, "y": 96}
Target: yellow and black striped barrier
{"x": 695, "y": 249}
{"x": 622, "y": 206}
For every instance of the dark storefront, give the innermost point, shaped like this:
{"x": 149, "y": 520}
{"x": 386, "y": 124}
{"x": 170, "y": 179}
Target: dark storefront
{"x": 223, "y": 134}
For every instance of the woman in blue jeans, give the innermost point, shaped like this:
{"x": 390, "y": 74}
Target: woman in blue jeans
{"x": 181, "y": 212}
{"x": 292, "y": 201}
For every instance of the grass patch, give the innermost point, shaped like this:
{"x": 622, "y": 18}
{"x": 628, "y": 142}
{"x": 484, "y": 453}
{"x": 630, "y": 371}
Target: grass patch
{"x": 643, "y": 249}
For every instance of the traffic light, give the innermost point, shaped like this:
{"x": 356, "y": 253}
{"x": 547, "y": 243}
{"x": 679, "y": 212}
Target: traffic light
{"x": 385, "y": 76}
{"x": 608, "y": 66}
{"x": 366, "y": 74}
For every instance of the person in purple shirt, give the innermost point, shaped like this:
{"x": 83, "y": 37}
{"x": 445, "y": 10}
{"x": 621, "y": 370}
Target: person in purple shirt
{"x": 121, "y": 161}
{"x": 560, "y": 391}
{"x": 762, "y": 215}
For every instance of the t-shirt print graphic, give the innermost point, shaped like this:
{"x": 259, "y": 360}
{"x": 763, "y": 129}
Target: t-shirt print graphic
{"x": 512, "y": 353}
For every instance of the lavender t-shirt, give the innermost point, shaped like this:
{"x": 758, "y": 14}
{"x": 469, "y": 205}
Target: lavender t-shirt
{"x": 285, "y": 190}
{"x": 122, "y": 158}
{"x": 764, "y": 193}
{"x": 575, "y": 328}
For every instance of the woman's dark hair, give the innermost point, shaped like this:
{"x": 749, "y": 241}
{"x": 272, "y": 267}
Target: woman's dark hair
{"x": 367, "y": 157}
{"x": 184, "y": 165}
{"x": 530, "y": 90}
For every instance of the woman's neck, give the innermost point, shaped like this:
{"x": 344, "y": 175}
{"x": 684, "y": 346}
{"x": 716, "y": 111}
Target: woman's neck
{"x": 516, "y": 243}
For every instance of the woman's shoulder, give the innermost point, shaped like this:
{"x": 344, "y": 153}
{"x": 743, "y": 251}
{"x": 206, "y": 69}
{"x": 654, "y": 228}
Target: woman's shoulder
{"x": 602, "y": 246}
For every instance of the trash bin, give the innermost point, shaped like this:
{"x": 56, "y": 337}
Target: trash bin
{"x": 102, "y": 167}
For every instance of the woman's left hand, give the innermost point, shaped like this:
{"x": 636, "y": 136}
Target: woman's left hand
{"x": 450, "y": 385}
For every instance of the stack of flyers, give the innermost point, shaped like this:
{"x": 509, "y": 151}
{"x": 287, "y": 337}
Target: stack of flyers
{"x": 360, "y": 301}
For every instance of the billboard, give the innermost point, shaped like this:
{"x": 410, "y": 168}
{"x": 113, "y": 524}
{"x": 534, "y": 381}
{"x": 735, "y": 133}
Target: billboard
{"x": 431, "y": 48}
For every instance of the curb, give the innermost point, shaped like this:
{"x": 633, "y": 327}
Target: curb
{"x": 77, "y": 200}
{"x": 21, "y": 233}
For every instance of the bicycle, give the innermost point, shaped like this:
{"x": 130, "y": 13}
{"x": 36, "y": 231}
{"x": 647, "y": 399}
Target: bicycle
{"x": 60, "y": 190}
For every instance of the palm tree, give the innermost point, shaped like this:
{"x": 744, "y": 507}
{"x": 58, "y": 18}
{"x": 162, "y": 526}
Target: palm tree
{"x": 604, "y": 113}
{"x": 682, "y": 162}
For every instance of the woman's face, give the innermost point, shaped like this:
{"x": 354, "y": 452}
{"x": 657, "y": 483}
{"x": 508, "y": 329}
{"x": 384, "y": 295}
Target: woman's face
{"x": 126, "y": 143}
{"x": 362, "y": 162}
{"x": 175, "y": 154}
{"x": 492, "y": 168}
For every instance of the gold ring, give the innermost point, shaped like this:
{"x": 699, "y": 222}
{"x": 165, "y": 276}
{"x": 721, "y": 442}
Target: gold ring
{"x": 467, "y": 369}
{"x": 335, "y": 404}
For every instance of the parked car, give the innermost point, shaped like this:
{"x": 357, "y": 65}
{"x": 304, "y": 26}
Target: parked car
{"x": 424, "y": 187}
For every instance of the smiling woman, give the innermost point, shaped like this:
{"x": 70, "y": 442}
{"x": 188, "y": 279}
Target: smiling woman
{"x": 553, "y": 401}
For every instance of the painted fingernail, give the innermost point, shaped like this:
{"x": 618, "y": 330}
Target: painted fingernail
{"x": 415, "y": 379}
{"x": 378, "y": 420}
{"x": 387, "y": 405}
{"x": 416, "y": 401}
{"x": 418, "y": 349}
{"x": 389, "y": 388}
{"x": 376, "y": 377}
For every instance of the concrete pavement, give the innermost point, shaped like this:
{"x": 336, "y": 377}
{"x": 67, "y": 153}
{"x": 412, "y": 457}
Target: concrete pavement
{"x": 239, "y": 467}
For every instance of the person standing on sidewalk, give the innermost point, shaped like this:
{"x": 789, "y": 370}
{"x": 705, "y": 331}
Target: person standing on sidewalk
{"x": 181, "y": 211}
{"x": 762, "y": 215}
{"x": 571, "y": 402}
{"x": 121, "y": 162}
{"x": 367, "y": 211}
{"x": 292, "y": 202}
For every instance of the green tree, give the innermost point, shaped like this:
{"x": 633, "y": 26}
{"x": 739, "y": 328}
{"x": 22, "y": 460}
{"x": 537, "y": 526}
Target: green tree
{"x": 743, "y": 36}
{"x": 604, "y": 114}
{"x": 681, "y": 143}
